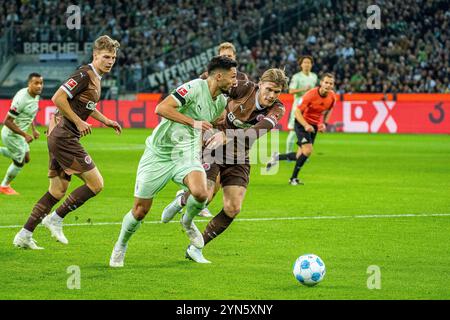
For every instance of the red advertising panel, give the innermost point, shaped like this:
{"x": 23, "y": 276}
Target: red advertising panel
{"x": 359, "y": 115}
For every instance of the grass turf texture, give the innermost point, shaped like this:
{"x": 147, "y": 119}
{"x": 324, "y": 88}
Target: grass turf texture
{"x": 348, "y": 175}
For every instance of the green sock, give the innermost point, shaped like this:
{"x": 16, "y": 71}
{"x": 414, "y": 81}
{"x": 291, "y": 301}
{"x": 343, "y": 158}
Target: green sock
{"x": 11, "y": 173}
{"x": 193, "y": 207}
{"x": 290, "y": 141}
{"x": 5, "y": 152}
{"x": 129, "y": 227}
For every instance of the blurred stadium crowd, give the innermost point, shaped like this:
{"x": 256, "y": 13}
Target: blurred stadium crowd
{"x": 410, "y": 53}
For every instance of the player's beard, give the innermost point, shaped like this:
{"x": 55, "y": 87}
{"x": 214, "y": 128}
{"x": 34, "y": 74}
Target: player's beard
{"x": 225, "y": 91}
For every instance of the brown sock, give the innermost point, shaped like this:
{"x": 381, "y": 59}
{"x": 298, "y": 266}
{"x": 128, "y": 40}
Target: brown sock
{"x": 40, "y": 210}
{"x": 75, "y": 200}
{"x": 216, "y": 226}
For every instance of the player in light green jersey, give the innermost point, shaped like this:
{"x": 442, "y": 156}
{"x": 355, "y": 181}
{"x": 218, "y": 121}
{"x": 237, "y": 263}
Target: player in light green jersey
{"x": 173, "y": 151}
{"x": 300, "y": 83}
{"x": 19, "y": 118}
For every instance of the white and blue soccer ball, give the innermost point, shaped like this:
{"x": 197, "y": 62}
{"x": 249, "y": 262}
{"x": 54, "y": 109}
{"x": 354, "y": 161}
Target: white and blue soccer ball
{"x": 309, "y": 269}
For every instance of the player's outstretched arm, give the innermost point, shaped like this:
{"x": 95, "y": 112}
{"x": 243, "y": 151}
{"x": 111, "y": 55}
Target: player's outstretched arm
{"x": 60, "y": 101}
{"x": 97, "y": 115}
{"x": 168, "y": 109}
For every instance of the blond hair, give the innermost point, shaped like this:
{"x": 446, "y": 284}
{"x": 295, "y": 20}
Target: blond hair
{"x": 275, "y": 75}
{"x": 226, "y": 45}
{"x": 106, "y": 43}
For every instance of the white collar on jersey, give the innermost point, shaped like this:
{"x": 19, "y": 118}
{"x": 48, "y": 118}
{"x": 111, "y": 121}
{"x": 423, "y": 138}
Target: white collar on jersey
{"x": 258, "y": 106}
{"x": 95, "y": 71}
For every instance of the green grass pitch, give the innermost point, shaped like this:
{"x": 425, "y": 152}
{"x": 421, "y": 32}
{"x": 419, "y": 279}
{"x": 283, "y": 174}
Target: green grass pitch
{"x": 368, "y": 200}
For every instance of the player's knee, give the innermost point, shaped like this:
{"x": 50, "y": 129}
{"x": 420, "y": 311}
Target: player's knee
{"x": 307, "y": 151}
{"x": 232, "y": 209}
{"x": 96, "y": 187}
{"x": 58, "y": 193}
{"x": 201, "y": 195}
{"x": 140, "y": 210}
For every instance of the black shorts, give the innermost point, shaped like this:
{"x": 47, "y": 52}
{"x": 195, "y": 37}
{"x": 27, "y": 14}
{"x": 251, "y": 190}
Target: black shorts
{"x": 304, "y": 137}
{"x": 230, "y": 174}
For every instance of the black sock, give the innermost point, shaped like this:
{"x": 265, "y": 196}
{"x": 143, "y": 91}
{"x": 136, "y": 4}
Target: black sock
{"x": 298, "y": 165}
{"x": 287, "y": 156}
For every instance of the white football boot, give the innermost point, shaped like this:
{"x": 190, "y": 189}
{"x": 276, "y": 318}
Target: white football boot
{"x": 55, "y": 228}
{"x": 273, "y": 161}
{"x": 194, "y": 235}
{"x": 25, "y": 242}
{"x": 173, "y": 208}
{"x": 195, "y": 254}
{"x": 117, "y": 257}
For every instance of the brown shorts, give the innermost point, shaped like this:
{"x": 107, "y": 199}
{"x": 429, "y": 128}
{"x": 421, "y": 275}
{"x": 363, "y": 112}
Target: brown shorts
{"x": 67, "y": 157}
{"x": 230, "y": 174}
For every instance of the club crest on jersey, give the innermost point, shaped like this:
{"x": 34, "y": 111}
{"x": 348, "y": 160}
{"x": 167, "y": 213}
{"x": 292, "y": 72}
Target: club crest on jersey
{"x": 206, "y": 166}
{"x": 182, "y": 91}
{"x": 88, "y": 160}
{"x": 91, "y": 105}
{"x": 71, "y": 84}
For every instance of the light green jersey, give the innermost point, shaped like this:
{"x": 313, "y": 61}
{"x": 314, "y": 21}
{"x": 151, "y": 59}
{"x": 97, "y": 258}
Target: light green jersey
{"x": 23, "y": 109}
{"x": 194, "y": 100}
{"x": 301, "y": 80}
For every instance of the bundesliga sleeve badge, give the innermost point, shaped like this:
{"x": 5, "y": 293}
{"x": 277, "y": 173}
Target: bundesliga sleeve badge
{"x": 71, "y": 84}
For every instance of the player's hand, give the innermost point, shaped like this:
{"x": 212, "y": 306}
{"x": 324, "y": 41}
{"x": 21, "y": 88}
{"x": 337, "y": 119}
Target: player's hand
{"x": 322, "y": 127}
{"x": 36, "y": 134}
{"x": 84, "y": 128}
{"x": 115, "y": 125}
{"x": 203, "y": 125}
{"x": 28, "y": 138}
{"x": 216, "y": 140}
{"x": 309, "y": 128}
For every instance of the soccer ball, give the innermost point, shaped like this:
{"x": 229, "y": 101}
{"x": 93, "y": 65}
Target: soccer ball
{"x": 309, "y": 269}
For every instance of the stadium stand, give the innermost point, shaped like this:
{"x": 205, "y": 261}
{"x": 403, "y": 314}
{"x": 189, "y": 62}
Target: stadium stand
{"x": 409, "y": 54}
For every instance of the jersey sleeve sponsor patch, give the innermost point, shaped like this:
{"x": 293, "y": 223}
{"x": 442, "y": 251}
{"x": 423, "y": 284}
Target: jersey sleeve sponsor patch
{"x": 180, "y": 94}
{"x": 71, "y": 84}
{"x": 182, "y": 91}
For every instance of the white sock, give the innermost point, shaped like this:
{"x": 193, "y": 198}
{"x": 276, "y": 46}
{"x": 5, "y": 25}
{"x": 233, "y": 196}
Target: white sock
{"x": 129, "y": 226}
{"x": 193, "y": 207}
{"x": 54, "y": 216}
{"x": 24, "y": 233}
{"x": 11, "y": 173}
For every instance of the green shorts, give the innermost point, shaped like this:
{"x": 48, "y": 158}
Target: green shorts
{"x": 16, "y": 145}
{"x": 155, "y": 171}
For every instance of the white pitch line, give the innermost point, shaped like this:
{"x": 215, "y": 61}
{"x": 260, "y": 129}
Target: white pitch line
{"x": 370, "y": 216}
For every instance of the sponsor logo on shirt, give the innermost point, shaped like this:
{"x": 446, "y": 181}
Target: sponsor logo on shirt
{"x": 182, "y": 91}
{"x": 71, "y": 84}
